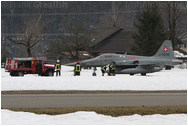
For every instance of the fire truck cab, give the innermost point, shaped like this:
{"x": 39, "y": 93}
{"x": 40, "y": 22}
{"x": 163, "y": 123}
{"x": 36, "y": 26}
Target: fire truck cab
{"x": 21, "y": 66}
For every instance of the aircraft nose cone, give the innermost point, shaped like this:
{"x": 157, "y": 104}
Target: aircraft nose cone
{"x": 88, "y": 62}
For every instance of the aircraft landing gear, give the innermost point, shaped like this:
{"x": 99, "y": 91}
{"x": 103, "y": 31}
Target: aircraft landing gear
{"x": 94, "y": 73}
{"x": 143, "y": 74}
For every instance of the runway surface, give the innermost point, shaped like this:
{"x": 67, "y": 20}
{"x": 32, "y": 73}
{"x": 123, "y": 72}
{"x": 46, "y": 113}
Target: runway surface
{"x": 92, "y": 100}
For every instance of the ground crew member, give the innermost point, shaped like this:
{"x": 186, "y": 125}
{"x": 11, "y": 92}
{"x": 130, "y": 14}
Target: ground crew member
{"x": 103, "y": 70}
{"x": 58, "y": 68}
{"x": 77, "y": 68}
{"x": 112, "y": 69}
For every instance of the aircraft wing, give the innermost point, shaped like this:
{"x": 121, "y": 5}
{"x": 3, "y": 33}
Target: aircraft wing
{"x": 139, "y": 66}
{"x": 147, "y": 65}
{"x": 142, "y": 63}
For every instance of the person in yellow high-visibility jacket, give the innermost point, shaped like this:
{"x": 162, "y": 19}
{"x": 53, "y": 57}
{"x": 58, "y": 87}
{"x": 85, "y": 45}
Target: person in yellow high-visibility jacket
{"x": 58, "y": 68}
{"x": 103, "y": 70}
{"x": 77, "y": 69}
{"x": 112, "y": 70}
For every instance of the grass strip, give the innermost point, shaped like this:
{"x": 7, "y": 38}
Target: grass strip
{"x": 87, "y": 92}
{"x": 111, "y": 111}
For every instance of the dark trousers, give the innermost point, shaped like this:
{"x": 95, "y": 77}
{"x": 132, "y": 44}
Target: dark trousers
{"x": 113, "y": 73}
{"x": 58, "y": 72}
{"x": 76, "y": 73}
{"x": 103, "y": 72}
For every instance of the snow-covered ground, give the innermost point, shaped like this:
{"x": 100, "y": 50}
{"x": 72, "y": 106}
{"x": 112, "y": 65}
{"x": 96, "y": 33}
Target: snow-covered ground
{"x": 178, "y": 54}
{"x": 175, "y": 79}
{"x": 89, "y": 118}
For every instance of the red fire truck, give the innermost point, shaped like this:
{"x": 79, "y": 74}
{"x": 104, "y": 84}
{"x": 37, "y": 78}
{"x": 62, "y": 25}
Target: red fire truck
{"x": 21, "y": 66}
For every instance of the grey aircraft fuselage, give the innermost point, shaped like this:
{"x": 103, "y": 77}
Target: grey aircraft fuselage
{"x": 133, "y": 64}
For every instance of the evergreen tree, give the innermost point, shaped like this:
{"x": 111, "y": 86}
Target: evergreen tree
{"x": 150, "y": 31}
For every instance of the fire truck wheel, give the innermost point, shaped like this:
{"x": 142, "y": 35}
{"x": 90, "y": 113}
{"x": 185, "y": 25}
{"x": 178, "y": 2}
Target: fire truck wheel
{"x": 12, "y": 73}
{"x": 20, "y": 73}
{"x": 50, "y": 73}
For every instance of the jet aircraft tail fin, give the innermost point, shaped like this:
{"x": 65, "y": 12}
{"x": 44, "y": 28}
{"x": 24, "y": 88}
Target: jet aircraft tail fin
{"x": 166, "y": 50}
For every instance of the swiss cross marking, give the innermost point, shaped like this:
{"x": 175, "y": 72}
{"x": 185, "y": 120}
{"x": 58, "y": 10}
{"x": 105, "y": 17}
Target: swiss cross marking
{"x": 165, "y": 49}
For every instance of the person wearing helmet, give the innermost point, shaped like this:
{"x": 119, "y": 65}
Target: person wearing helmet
{"x": 77, "y": 68}
{"x": 58, "y": 68}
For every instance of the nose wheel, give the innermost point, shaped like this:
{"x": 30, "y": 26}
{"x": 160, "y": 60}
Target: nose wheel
{"x": 94, "y": 73}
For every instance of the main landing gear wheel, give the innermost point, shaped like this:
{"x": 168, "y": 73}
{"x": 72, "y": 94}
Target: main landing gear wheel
{"x": 143, "y": 74}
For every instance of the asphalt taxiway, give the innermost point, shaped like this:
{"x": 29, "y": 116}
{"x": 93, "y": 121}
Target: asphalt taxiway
{"x": 92, "y": 100}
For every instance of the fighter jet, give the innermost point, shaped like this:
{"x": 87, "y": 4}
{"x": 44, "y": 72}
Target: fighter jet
{"x": 133, "y": 64}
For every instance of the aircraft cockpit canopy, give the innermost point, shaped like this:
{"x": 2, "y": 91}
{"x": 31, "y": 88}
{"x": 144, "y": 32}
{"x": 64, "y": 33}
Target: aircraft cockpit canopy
{"x": 106, "y": 56}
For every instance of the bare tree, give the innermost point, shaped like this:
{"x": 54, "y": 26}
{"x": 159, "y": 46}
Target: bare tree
{"x": 176, "y": 15}
{"x": 75, "y": 37}
{"x": 114, "y": 12}
{"x": 78, "y": 38}
{"x": 113, "y": 18}
{"x": 32, "y": 28}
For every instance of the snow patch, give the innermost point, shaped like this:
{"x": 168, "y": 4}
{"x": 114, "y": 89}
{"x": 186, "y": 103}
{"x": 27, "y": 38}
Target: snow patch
{"x": 175, "y": 79}
{"x": 89, "y": 118}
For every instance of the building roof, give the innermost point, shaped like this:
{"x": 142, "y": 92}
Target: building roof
{"x": 103, "y": 33}
{"x": 119, "y": 41}
{"x": 82, "y": 54}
